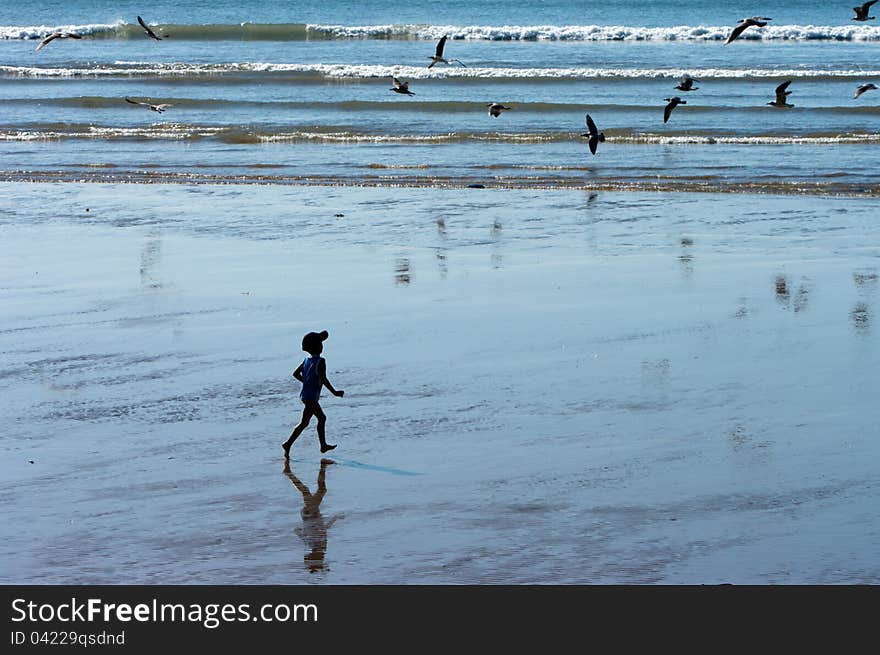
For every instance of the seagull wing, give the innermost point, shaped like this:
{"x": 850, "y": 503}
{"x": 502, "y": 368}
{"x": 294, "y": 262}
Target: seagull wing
{"x": 440, "y": 45}
{"x": 395, "y": 82}
{"x": 867, "y": 5}
{"x": 591, "y": 126}
{"x": 47, "y": 41}
{"x": 668, "y": 111}
{"x": 737, "y": 31}
{"x": 781, "y": 92}
{"x": 147, "y": 28}
{"x": 135, "y": 102}
{"x": 594, "y": 142}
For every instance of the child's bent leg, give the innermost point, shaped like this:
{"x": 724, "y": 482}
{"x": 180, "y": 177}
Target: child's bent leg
{"x": 322, "y": 421}
{"x": 303, "y": 424}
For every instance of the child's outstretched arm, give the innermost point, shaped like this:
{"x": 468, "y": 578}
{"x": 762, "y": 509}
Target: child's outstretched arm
{"x": 322, "y": 370}
{"x": 298, "y": 373}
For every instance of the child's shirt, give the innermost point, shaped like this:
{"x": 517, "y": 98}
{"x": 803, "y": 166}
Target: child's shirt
{"x": 311, "y": 379}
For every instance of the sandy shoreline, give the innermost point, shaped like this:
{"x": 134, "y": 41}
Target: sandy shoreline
{"x": 535, "y": 182}
{"x": 540, "y": 387}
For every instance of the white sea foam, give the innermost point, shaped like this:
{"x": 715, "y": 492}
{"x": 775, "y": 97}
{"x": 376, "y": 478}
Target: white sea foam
{"x": 475, "y": 32}
{"x": 12, "y": 32}
{"x": 600, "y": 32}
{"x": 745, "y": 140}
{"x": 149, "y": 69}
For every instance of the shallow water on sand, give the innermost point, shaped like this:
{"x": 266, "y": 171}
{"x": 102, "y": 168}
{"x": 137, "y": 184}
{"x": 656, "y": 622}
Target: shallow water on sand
{"x": 540, "y": 386}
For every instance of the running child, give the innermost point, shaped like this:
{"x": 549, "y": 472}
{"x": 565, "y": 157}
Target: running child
{"x": 313, "y": 375}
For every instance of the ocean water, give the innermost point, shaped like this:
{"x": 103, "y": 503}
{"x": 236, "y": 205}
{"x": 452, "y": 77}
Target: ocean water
{"x": 299, "y": 92}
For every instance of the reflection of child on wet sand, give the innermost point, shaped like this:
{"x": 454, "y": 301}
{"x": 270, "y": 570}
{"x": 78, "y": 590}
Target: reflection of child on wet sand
{"x": 314, "y": 527}
{"x": 313, "y": 375}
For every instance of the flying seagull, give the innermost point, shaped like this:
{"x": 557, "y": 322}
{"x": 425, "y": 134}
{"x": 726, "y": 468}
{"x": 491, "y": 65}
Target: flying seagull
{"x": 687, "y": 84}
{"x": 594, "y": 134}
{"x": 400, "y": 87}
{"x": 674, "y": 101}
{"x": 438, "y": 55}
{"x": 157, "y": 108}
{"x": 496, "y": 108}
{"x": 862, "y": 12}
{"x": 56, "y": 35}
{"x": 757, "y": 21}
{"x": 150, "y": 32}
{"x": 862, "y": 88}
{"x": 781, "y": 96}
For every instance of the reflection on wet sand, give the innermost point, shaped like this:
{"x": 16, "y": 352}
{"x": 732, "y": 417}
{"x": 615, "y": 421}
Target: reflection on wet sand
{"x": 865, "y": 278}
{"x": 686, "y": 259}
{"x": 861, "y": 318}
{"x": 314, "y": 528}
{"x": 151, "y": 254}
{"x": 496, "y": 260}
{"x": 781, "y": 284}
{"x": 866, "y": 282}
{"x": 783, "y": 290}
{"x": 402, "y": 271}
{"x": 440, "y": 253}
{"x": 802, "y": 298}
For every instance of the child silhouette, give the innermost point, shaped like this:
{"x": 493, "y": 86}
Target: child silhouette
{"x": 313, "y": 375}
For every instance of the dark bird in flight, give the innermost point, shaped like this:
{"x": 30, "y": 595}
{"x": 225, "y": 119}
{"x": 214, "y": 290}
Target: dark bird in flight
{"x": 157, "y": 108}
{"x": 438, "y": 55}
{"x": 674, "y": 102}
{"x": 862, "y": 12}
{"x": 496, "y": 108}
{"x": 400, "y": 87}
{"x": 56, "y": 35}
{"x": 687, "y": 84}
{"x": 594, "y": 134}
{"x": 862, "y": 88}
{"x": 150, "y": 32}
{"x": 781, "y": 96}
{"x": 757, "y": 21}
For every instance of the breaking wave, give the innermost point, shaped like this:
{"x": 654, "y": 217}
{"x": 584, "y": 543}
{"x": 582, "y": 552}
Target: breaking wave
{"x": 304, "y": 32}
{"x": 338, "y": 135}
{"x": 304, "y": 72}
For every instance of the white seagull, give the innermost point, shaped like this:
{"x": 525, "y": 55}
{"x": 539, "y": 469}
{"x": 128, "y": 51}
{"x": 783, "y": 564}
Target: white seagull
{"x": 757, "y": 21}
{"x": 594, "y": 134}
{"x": 438, "y": 55}
{"x": 157, "y": 108}
{"x": 674, "y": 102}
{"x": 496, "y": 108}
{"x": 862, "y": 12}
{"x": 862, "y": 88}
{"x": 400, "y": 87}
{"x": 149, "y": 32}
{"x": 781, "y": 96}
{"x": 687, "y": 84}
{"x": 56, "y": 35}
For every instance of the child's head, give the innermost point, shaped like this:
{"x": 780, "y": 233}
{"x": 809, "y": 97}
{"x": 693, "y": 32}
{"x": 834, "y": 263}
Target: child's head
{"x": 313, "y": 342}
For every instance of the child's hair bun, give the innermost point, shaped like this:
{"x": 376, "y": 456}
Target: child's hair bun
{"x": 313, "y": 339}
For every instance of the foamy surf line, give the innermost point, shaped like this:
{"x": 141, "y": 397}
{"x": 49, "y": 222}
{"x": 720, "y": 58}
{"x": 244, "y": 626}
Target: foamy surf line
{"x": 294, "y": 73}
{"x": 329, "y": 135}
{"x": 304, "y": 31}
{"x": 475, "y": 184}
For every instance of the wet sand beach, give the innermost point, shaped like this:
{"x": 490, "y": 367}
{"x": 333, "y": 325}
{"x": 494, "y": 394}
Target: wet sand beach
{"x": 541, "y": 386}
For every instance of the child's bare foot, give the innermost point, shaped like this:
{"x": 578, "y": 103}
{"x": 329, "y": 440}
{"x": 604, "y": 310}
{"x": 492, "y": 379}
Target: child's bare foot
{"x": 327, "y": 446}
